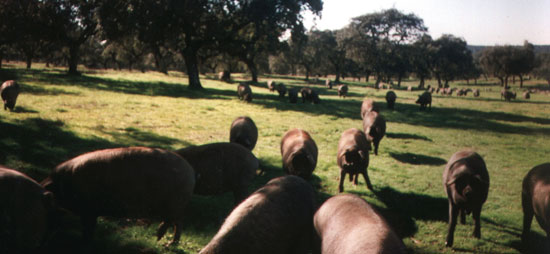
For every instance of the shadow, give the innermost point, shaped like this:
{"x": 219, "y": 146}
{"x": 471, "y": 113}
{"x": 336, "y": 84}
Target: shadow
{"x": 407, "y": 136}
{"x": 418, "y": 159}
{"x": 37, "y": 90}
{"x": 135, "y": 137}
{"x": 21, "y": 109}
{"x": 417, "y": 206}
{"x": 536, "y": 244}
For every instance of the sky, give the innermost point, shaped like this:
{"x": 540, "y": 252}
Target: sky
{"x": 479, "y": 22}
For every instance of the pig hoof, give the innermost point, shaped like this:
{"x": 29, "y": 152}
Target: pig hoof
{"x": 448, "y": 244}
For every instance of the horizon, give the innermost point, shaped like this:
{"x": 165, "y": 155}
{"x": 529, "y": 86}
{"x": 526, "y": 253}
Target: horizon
{"x": 496, "y": 22}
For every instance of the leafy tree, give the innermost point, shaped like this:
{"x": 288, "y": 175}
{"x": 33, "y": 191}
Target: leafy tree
{"x": 451, "y": 58}
{"x": 522, "y": 60}
{"x": 421, "y": 57}
{"x": 543, "y": 67}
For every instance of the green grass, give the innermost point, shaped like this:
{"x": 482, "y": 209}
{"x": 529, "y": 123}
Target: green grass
{"x": 58, "y": 117}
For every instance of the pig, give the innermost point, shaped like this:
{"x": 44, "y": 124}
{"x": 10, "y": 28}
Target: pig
{"x": 424, "y": 99}
{"x": 131, "y": 182}
{"x": 507, "y": 95}
{"x": 271, "y": 85}
{"x": 25, "y": 213}
{"x": 244, "y": 132}
{"x": 224, "y": 76}
{"x": 353, "y": 157}
{"x": 328, "y": 84}
{"x": 9, "y": 91}
{"x": 461, "y": 92}
{"x": 374, "y": 126}
{"x": 342, "y": 91}
{"x": 244, "y": 92}
{"x": 277, "y": 218}
{"x": 220, "y": 168}
{"x": 466, "y": 183}
{"x": 476, "y": 92}
{"x": 347, "y": 224}
{"x": 526, "y": 95}
{"x": 534, "y": 200}
{"x": 367, "y": 106}
{"x": 293, "y": 95}
{"x": 390, "y": 99}
{"x": 281, "y": 89}
{"x": 310, "y": 95}
{"x": 299, "y": 153}
{"x": 409, "y": 88}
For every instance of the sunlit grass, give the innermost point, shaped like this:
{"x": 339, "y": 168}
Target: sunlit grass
{"x": 58, "y": 117}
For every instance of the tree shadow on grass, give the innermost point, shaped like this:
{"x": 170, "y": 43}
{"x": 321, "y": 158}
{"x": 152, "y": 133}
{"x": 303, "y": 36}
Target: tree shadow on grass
{"x": 407, "y": 136}
{"x": 404, "y": 207}
{"x": 21, "y": 109}
{"x": 418, "y": 159}
{"x": 38, "y": 90}
{"x": 135, "y": 137}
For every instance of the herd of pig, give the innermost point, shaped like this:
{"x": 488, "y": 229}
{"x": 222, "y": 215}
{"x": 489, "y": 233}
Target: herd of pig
{"x": 280, "y": 217}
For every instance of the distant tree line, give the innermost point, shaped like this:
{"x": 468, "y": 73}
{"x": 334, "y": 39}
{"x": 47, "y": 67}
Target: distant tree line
{"x": 199, "y": 36}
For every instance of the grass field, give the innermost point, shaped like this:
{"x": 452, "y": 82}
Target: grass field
{"x": 58, "y": 117}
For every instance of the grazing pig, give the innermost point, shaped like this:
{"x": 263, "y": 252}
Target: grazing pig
{"x": 25, "y": 213}
{"x": 220, "y": 168}
{"x": 466, "y": 183}
{"x": 244, "y": 131}
{"x": 224, "y": 76}
{"x": 244, "y": 92}
{"x": 409, "y": 88}
{"x": 134, "y": 182}
{"x": 507, "y": 95}
{"x": 310, "y": 95}
{"x": 424, "y": 99}
{"x": 374, "y": 126}
{"x": 390, "y": 99}
{"x": 342, "y": 91}
{"x": 277, "y": 218}
{"x": 271, "y": 85}
{"x": 526, "y": 95}
{"x": 476, "y": 92}
{"x": 353, "y": 157}
{"x": 281, "y": 89}
{"x": 535, "y": 196}
{"x": 461, "y": 92}
{"x": 299, "y": 153}
{"x": 293, "y": 95}
{"x": 9, "y": 91}
{"x": 328, "y": 84}
{"x": 347, "y": 224}
{"x": 367, "y": 106}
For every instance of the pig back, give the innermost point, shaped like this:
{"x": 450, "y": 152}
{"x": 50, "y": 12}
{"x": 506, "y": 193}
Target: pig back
{"x": 24, "y": 207}
{"x": 536, "y": 187}
{"x": 277, "y": 218}
{"x": 354, "y": 139}
{"x": 466, "y": 163}
{"x": 244, "y": 131}
{"x": 347, "y": 224}
{"x": 220, "y": 167}
{"x": 124, "y": 182}
{"x": 374, "y": 125}
{"x": 298, "y": 141}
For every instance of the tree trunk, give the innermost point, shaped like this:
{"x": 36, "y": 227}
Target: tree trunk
{"x": 421, "y": 85}
{"x": 501, "y": 81}
{"x": 520, "y": 81}
{"x": 1, "y": 58}
{"x": 446, "y": 83}
{"x": 438, "y": 81}
{"x": 337, "y": 79}
{"x": 253, "y": 70}
{"x": 513, "y": 79}
{"x": 307, "y": 74}
{"x": 73, "y": 59}
{"x": 399, "y": 80}
{"x": 506, "y": 82}
{"x": 159, "y": 61}
{"x": 29, "y": 62}
{"x": 190, "y": 56}
{"x": 475, "y": 81}
{"x": 367, "y": 78}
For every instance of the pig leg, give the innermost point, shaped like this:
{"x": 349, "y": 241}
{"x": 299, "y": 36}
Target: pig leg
{"x": 462, "y": 216}
{"x": 367, "y": 180}
{"x": 162, "y": 230}
{"x": 355, "y": 176}
{"x": 89, "y": 223}
{"x": 453, "y": 214}
{"x": 527, "y": 218}
{"x": 376, "y": 142}
{"x": 476, "y": 213}
{"x": 177, "y": 232}
{"x": 342, "y": 178}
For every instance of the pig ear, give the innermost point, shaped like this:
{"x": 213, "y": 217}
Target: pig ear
{"x": 362, "y": 154}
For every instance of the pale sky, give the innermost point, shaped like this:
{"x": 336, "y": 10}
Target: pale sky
{"x": 479, "y": 22}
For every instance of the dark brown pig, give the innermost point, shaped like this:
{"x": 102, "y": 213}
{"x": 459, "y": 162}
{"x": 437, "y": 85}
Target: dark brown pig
{"x": 277, "y": 218}
{"x": 347, "y": 224}
{"x": 466, "y": 183}
{"x": 328, "y": 84}
{"x": 476, "y": 92}
{"x": 134, "y": 182}
{"x": 526, "y": 95}
{"x": 374, "y": 126}
{"x": 299, "y": 153}
{"x": 367, "y": 106}
{"x": 244, "y": 131}
{"x": 424, "y": 99}
{"x": 9, "y": 92}
{"x": 293, "y": 95}
{"x": 390, "y": 99}
{"x": 353, "y": 157}
{"x": 507, "y": 95}
{"x": 281, "y": 89}
{"x": 221, "y": 167}
{"x": 271, "y": 85}
{"x": 310, "y": 95}
{"x": 244, "y": 92}
{"x": 535, "y": 196}
{"x": 25, "y": 209}
{"x": 342, "y": 91}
